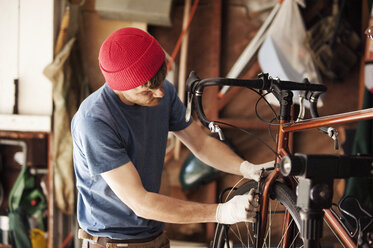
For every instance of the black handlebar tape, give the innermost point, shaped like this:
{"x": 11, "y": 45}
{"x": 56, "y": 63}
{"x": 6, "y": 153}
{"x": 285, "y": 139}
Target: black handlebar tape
{"x": 288, "y": 85}
{"x": 255, "y": 83}
{"x": 197, "y": 88}
{"x": 201, "y": 115}
{"x": 248, "y": 83}
{"x": 191, "y": 80}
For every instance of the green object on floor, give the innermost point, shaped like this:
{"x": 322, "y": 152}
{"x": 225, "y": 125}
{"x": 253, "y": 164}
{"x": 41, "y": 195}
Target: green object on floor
{"x": 19, "y": 229}
{"x": 195, "y": 173}
{"x": 25, "y": 200}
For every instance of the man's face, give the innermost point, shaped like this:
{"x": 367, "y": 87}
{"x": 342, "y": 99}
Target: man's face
{"x": 142, "y": 95}
{"x": 369, "y": 32}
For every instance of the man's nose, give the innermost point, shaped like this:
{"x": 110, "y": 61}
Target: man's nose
{"x": 159, "y": 93}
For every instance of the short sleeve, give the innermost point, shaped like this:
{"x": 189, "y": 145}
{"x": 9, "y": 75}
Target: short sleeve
{"x": 103, "y": 148}
{"x": 177, "y": 120}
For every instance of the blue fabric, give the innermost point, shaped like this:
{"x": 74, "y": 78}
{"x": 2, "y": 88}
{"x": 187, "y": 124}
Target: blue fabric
{"x": 107, "y": 134}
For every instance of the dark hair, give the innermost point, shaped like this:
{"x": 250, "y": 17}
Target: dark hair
{"x": 158, "y": 78}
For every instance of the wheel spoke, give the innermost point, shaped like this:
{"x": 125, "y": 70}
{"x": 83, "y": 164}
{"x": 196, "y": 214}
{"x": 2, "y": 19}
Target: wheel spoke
{"x": 287, "y": 229}
{"x": 284, "y": 198}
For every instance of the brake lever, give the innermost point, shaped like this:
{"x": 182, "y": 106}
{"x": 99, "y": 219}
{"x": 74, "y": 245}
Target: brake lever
{"x": 333, "y": 133}
{"x": 330, "y": 131}
{"x": 190, "y": 84}
{"x": 302, "y": 109}
{"x": 216, "y": 129}
{"x": 188, "y": 112}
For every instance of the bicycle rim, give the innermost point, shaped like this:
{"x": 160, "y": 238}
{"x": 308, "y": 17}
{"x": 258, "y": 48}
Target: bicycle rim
{"x": 242, "y": 234}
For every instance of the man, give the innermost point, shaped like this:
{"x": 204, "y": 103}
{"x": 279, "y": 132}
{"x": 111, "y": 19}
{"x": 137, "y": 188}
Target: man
{"x": 120, "y": 135}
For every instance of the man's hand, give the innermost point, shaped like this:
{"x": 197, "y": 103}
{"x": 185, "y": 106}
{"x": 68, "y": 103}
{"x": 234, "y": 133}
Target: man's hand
{"x": 241, "y": 208}
{"x": 253, "y": 171}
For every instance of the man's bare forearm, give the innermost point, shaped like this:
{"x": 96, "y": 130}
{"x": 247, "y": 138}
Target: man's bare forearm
{"x": 220, "y": 157}
{"x": 166, "y": 209}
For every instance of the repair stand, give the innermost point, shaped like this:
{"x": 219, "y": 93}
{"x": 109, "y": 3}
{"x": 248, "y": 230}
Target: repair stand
{"x": 313, "y": 197}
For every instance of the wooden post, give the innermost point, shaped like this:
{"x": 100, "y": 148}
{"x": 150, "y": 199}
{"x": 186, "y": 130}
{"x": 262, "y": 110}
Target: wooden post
{"x": 183, "y": 68}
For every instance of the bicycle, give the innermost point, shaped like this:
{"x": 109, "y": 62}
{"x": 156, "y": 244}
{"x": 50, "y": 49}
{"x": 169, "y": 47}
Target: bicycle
{"x": 292, "y": 171}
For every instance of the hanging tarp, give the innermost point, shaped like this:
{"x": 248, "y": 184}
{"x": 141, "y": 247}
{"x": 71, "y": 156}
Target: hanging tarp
{"x": 284, "y": 53}
{"x": 69, "y": 88}
{"x": 286, "y": 36}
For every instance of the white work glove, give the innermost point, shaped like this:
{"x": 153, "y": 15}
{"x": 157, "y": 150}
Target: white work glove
{"x": 241, "y": 208}
{"x": 254, "y": 171}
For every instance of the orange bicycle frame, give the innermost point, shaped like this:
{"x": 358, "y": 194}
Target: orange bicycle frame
{"x": 283, "y": 149}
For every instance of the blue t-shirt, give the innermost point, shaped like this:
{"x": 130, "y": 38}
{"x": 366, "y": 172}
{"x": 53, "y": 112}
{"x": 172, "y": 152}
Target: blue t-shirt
{"x": 107, "y": 134}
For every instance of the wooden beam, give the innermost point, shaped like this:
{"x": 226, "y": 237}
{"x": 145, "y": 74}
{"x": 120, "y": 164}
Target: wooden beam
{"x": 183, "y": 66}
{"x": 365, "y": 22}
{"x": 210, "y": 96}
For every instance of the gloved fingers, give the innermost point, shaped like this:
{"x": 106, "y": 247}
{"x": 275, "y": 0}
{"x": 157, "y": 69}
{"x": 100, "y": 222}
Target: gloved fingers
{"x": 256, "y": 176}
{"x": 251, "y": 219}
{"x": 265, "y": 173}
{"x": 253, "y": 200}
{"x": 251, "y": 214}
{"x": 251, "y": 194}
{"x": 255, "y": 172}
{"x": 252, "y": 207}
{"x": 241, "y": 208}
{"x": 248, "y": 202}
{"x": 235, "y": 210}
{"x": 268, "y": 164}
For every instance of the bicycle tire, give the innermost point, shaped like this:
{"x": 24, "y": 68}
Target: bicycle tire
{"x": 282, "y": 194}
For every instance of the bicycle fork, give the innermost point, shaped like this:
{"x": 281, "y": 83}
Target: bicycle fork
{"x": 262, "y": 217}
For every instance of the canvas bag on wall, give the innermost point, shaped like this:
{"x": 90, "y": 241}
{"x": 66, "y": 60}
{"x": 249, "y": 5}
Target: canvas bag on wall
{"x": 283, "y": 53}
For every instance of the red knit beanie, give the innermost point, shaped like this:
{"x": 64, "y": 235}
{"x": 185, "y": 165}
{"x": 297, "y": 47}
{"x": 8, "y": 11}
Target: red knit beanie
{"x": 129, "y": 57}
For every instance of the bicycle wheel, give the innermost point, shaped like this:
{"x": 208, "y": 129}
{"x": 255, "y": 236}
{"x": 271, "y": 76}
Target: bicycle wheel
{"x": 242, "y": 234}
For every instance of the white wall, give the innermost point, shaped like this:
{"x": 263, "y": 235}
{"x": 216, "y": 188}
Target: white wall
{"x": 8, "y": 53}
{"x": 26, "y": 47}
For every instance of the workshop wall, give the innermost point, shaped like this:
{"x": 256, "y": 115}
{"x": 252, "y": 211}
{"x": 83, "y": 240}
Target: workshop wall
{"x": 26, "y": 48}
{"x": 219, "y": 32}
